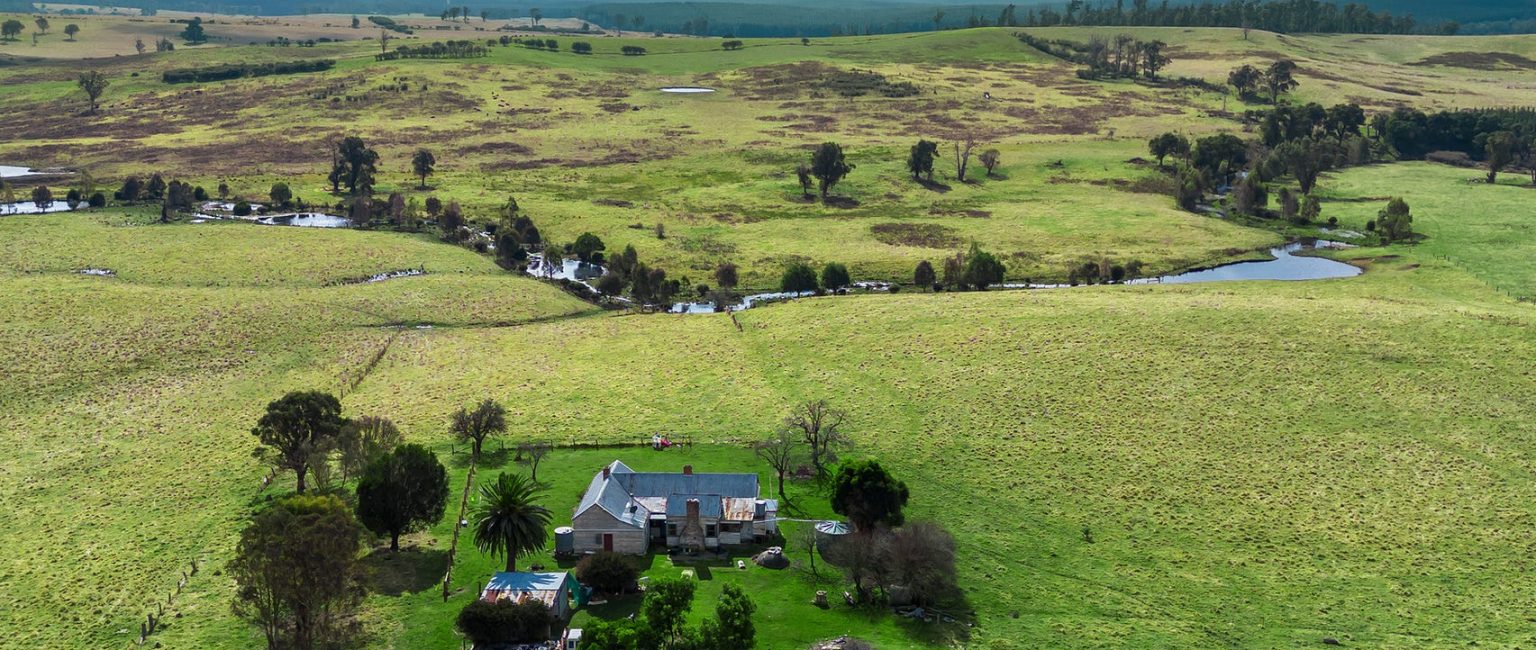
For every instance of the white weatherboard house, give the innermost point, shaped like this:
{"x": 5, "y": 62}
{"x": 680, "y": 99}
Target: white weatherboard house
{"x": 629, "y": 512}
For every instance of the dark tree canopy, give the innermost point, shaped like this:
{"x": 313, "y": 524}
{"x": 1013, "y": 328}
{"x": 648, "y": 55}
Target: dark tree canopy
{"x": 1168, "y": 144}
{"x": 798, "y": 278}
{"x": 402, "y": 491}
{"x": 867, "y": 495}
{"x": 588, "y": 247}
{"x": 423, "y": 163}
{"x": 834, "y": 276}
{"x": 982, "y": 268}
{"x": 505, "y": 622}
{"x": 353, "y": 164}
{"x": 297, "y": 426}
{"x": 1395, "y": 222}
{"x": 920, "y": 160}
{"x": 923, "y": 276}
{"x": 828, "y": 166}
{"x": 296, "y": 571}
{"x": 607, "y": 572}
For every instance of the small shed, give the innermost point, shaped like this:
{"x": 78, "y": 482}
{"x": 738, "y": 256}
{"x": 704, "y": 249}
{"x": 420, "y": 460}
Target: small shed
{"x": 554, "y": 588}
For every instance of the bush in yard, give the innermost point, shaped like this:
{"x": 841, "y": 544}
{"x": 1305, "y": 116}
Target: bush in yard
{"x": 505, "y": 622}
{"x": 607, "y": 572}
{"x": 242, "y": 209}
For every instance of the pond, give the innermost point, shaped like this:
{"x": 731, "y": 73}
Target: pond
{"x": 11, "y": 171}
{"x": 576, "y": 270}
{"x": 687, "y": 90}
{"x": 306, "y": 220}
{"x": 1285, "y": 266}
{"x": 28, "y": 207}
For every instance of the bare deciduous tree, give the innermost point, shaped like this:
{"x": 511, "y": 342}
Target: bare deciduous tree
{"x": 535, "y": 453}
{"x": 820, "y": 426}
{"x": 781, "y": 452}
{"x": 963, "y": 147}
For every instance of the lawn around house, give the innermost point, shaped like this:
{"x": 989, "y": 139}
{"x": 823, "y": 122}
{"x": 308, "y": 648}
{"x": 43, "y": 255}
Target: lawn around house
{"x": 785, "y": 616}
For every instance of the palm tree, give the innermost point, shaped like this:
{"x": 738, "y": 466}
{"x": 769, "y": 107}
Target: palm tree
{"x": 507, "y": 521}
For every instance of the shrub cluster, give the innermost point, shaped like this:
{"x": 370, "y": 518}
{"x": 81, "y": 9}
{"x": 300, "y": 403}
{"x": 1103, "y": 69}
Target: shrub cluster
{"x": 236, "y": 71}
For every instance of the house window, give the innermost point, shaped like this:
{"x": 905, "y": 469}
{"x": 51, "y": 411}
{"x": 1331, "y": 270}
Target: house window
{"x": 671, "y": 530}
{"x": 709, "y": 531}
{"x": 597, "y": 539}
{"x": 729, "y": 528}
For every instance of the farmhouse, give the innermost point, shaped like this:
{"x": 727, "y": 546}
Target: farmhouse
{"x": 629, "y": 512}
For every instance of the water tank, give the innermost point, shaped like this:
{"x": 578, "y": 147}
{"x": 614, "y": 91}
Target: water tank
{"x": 829, "y": 534}
{"x": 565, "y": 541}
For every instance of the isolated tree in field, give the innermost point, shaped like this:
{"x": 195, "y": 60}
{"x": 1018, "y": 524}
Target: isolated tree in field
{"x": 726, "y": 276}
{"x": 1245, "y": 80}
{"x": 422, "y": 163}
{"x": 535, "y": 15}
{"x": 1498, "y": 153}
{"x": 296, "y": 427}
{"x": 782, "y": 452}
{"x": 11, "y": 29}
{"x": 963, "y": 148}
{"x": 42, "y": 197}
{"x": 1168, "y": 144}
{"x": 296, "y": 571}
{"x": 475, "y": 425}
{"x": 1395, "y": 222}
{"x": 820, "y": 427}
{"x": 868, "y": 496}
{"x": 402, "y": 491}
{"x": 42, "y": 24}
{"x": 194, "y": 32}
{"x": 989, "y": 160}
{"x": 920, "y": 160}
{"x": 384, "y": 40}
{"x": 535, "y": 452}
{"x": 353, "y": 164}
{"x": 507, "y": 520}
{"x": 834, "y": 276}
{"x": 363, "y": 440}
{"x": 94, "y": 83}
{"x": 280, "y": 194}
{"x": 70, "y": 30}
{"x": 798, "y": 278}
{"x": 732, "y": 625}
{"x": 803, "y": 174}
{"x": 138, "y": 45}
{"x": 164, "y": 45}
{"x": 828, "y": 166}
{"x": 982, "y": 268}
{"x": 923, "y": 275}
{"x": 1280, "y": 78}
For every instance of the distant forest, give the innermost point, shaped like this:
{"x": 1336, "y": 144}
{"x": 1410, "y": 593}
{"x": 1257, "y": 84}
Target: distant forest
{"x": 795, "y": 18}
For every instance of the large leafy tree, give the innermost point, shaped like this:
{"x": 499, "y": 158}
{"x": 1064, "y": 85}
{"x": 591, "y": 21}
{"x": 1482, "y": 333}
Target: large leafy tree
{"x": 732, "y": 626}
{"x": 474, "y": 425}
{"x": 1280, "y": 78}
{"x": 94, "y": 83}
{"x": 296, "y": 571}
{"x": 10, "y": 29}
{"x": 835, "y": 276}
{"x": 296, "y": 428}
{"x": 508, "y": 521}
{"x": 402, "y": 491}
{"x": 828, "y": 166}
{"x": 868, "y": 496}
{"x": 798, "y": 278}
{"x": 1168, "y": 144}
{"x": 664, "y": 611}
{"x": 364, "y": 440}
{"x": 1395, "y": 221}
{"x": 1245, "y": 80}
{"x": 353, "y": 164}
{"x": 920, "y": 160}
{"x": 982, "y": 268}
{"x": 1498, "y": 152}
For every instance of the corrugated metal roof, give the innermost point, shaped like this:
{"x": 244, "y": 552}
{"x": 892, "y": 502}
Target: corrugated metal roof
{"x": 738, "y": 509}
{"x": 709, "y": 505}
{"x": 631, "y": 496}
{"x": 516, "y": 586}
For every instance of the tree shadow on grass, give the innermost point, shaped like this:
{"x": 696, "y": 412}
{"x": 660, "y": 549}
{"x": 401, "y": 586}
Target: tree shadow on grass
{"x": 492, "y": 456}
{"x": 412, "y": 570}
{"x": 840, "y": 202}
{"x": 932, "y": 186}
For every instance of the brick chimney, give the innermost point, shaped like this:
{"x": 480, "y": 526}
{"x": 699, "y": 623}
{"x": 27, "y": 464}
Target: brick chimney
{"x": 692, "y": 533}
{"x": 687, "y": 470}
{"x": 607, "y": 470}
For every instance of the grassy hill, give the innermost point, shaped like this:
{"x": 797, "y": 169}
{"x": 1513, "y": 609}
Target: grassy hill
{"x": 1235, "y": 465}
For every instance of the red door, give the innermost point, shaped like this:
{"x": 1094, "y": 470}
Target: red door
{"x": 607, "y": 541}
